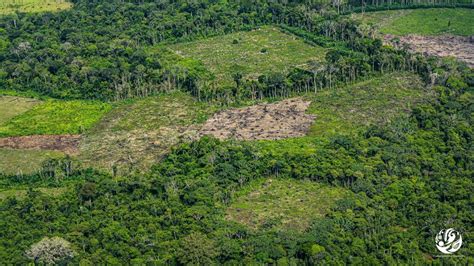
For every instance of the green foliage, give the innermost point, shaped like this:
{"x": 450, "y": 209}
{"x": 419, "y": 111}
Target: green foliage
{"x": 56, "y": 117}
{"x": 12, "y": 106}
{"x": 409, "y": 177}
{"x": 137, "y": 133}
{"x": 283, "y": 203}
{"x": 26, "y": 162}
{"x": 32, "y": 6}
{"x": 256, "y": 52}
{"x": 436, "y": 21}
{"x": 375, "y": 101}
{"x": 196, "y": 248}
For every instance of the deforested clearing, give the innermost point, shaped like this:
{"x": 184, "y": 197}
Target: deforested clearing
{"x": 263, "y": 121}
{"x": 65, "y": 143}
{"x": 459, "y": 47}
{"x": 33, "y": 6}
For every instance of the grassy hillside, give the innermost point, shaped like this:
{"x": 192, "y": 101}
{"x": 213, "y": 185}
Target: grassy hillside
{"x": 251, "y": 53}
{"x": 11, "y": 106}
{"x": 434, "y": 21}
{"x": 32, "y": 6}
{"x": 283, "y": 203}
{"x": 55, "y": 117}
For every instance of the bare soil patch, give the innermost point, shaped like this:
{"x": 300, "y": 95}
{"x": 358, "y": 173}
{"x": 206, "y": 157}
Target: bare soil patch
{"x": 460, "y": 47}
{"x": 65, "y": 143}
{"x": 280, "y": 120}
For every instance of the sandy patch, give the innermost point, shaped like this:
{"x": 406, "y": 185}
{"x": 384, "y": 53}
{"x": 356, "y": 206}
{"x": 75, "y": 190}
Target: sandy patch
{"x": 66, "y": 143}
{"x": 280, "y": 120}
{"x": 459, "y": 47}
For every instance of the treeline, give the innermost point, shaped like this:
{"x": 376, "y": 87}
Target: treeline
{"x": 409, "y": 179}
{"x": 107, "y": 49}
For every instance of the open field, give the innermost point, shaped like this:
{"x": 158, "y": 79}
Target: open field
{"x": 11, "y": 106}
{"x": 32, "y": 6}
{"x": 375, "y": 101}
{"x": 434, "y": 21}
{"x": 55, "y": 117}
{"x": 279, "y": 120}
{"x": 252, "y": 53}
{"x": 283, "y": 203}
{"x": 21, "y": 161}
{"x": 136, "y": 134}
{"x": 459, "y": 47}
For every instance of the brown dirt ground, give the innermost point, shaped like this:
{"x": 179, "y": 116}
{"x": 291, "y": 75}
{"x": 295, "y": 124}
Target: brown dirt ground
{"x": 279, "y": 120}
{"x": 459, "y": 47}
{"x": 66, "y": 143}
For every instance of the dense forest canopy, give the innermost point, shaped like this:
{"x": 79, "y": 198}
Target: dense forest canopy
{"x": 407, "y": 179}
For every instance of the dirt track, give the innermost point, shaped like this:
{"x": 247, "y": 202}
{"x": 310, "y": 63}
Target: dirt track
{"x": 457, "y": 46}
{"x": 66, "y": 143}
{"x": 280, "y": 120}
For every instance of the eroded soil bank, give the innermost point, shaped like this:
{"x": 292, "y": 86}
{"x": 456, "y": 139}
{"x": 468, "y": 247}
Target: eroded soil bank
{"x": 460, "y": 47}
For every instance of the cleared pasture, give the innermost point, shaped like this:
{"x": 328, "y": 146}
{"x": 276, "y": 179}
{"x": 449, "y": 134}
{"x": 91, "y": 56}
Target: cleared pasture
{"x": 432, "y": 21}
{"x": 251, "y": 53}
{"x": 283, "y": 203}
{"x": 33, "y": 6}
{"x": 11, "y": 106}
{"x": 55, "y": 117}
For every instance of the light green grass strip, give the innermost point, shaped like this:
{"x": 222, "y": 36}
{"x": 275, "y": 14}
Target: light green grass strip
{"x": 56, "y": 117}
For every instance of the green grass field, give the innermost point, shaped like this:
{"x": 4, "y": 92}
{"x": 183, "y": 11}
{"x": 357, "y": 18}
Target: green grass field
{"x": 137, "y": 133}
{"x": 375, "y": 101}
{"x": 55, "y": 117}
{"x": 32, "y": 6}
{"x": 284, "y": 203}
{"x": 433, "y": 21}
{"x": 11, "y": 106}
{"x": 15, "y": 162}
{"x": 251, "y": 53}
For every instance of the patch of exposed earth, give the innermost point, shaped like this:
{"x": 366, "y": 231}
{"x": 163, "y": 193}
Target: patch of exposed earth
{"x": 460, "y": 47}
{"x": 68, "y": 144}
{"x": 279, "y": 120}
{"x": 121, "y": 149}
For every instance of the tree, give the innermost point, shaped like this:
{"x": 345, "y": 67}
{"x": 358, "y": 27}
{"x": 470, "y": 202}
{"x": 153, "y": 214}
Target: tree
{"x": 197, "y": 249}
{"x": 51, "y": 251}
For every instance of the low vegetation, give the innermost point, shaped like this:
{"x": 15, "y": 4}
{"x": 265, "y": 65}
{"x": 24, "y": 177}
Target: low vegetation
{"x": 55, "y": 117}
{"x": 283, "y": 203}
{"x": 22, "y": 193}
{"x": 25, "y": 162}
{"x": 137, "y": 133}
{"x": 261, "y": 51}
{"x": 33, "y": 6}
{"x": 435, "y": 21}
{"x": 11, "y": 106}
{"x": 374, "y": 101}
